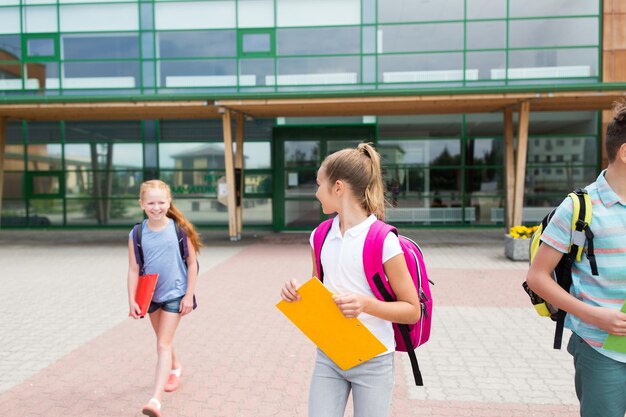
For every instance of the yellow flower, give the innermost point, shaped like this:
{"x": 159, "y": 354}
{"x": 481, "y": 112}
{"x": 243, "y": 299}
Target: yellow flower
{"x": 522, "y": 232}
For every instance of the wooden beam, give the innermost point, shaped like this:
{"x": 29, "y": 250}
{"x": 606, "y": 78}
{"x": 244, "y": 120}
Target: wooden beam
{"x": 509, "y": 166}
{"x": 3, "y": 126}
{"x": 520, "y": 164}
{"x": 239, "y": 167}
{"x": 230, "y": 174}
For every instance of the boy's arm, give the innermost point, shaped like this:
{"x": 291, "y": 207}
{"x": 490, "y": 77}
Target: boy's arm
{"x": 540, "y": 280}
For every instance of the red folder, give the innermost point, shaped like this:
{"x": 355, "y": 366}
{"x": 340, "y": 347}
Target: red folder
{"x": 145, "y": 290}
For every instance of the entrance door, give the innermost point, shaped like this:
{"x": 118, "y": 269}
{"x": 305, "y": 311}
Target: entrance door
{"x": 298, "y": 153}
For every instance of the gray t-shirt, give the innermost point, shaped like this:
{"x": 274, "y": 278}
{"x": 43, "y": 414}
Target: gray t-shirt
{"x": 162, "y": 255}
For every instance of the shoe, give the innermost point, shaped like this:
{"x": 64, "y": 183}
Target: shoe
{"x": 152, "y": 408}
{"x": 173, "y": 381}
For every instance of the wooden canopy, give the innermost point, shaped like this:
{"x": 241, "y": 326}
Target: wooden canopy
{"x": 315, "y": 106}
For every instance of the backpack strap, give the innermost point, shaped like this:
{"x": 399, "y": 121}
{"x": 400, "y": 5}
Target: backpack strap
{"x": 137, "y": 229}
{"x": 581, "y": 230}
{"x": 319, "y": 236}
{"x": 581, "y": 233}
{"x": 375, "y": 273}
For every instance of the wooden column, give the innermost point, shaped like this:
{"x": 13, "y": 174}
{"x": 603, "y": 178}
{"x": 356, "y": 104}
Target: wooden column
{"x": 230, "y": 174}
{"x": 520, "y": 163}
{"x": 3, "y": 134}
{"x": 509, "y": 166}
{"x": 239, "y": 168}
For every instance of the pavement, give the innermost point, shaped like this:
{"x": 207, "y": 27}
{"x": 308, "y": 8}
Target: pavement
{"x": 67, "y": 347}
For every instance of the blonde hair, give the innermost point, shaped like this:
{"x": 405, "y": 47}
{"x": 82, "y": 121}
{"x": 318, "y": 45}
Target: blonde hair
{"x": 173, "y": 212}
{"x": 360, "y": 168}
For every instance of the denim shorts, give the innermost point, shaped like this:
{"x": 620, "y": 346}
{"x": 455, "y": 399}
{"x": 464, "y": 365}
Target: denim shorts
{"x": 171, "y": 306}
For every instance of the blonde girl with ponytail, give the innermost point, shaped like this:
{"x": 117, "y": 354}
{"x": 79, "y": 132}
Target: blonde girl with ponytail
{"x": 350, "y": 184}
{"x": 174, "y": 293}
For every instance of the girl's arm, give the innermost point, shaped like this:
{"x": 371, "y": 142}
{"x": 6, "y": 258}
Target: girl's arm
{"x": 186, "y": 305}
{"x": 133, "y": 275}
{"x": 406, "y": 310}
{"x": 540, "y": 280}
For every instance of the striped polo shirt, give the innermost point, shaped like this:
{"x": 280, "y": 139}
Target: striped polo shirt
{"x": 608, "y": 289}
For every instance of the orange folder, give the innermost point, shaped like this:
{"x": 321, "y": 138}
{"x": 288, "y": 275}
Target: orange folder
{"x": 346, "y": 341}
{"x": 145, "y": 290}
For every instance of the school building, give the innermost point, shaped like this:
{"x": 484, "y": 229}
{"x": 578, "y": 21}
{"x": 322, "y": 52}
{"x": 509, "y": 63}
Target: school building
{"x": 486, "y": 112}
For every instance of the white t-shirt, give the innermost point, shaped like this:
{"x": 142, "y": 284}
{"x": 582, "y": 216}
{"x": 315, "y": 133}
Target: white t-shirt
{"x": 342, "y": 261}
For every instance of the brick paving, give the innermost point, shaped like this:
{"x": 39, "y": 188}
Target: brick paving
{"x": 68, "y": 348}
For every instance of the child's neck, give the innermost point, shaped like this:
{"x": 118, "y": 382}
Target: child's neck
{"x": 616, "y": 178}
{"x": 157, "y": 225}
{"x": 350, "y": 216}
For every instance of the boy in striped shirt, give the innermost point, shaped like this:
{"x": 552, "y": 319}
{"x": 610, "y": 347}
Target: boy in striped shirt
{"x": 593, "y": 303}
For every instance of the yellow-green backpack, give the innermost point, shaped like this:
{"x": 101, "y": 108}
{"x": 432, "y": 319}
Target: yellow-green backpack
{"x": 581, "y": 233}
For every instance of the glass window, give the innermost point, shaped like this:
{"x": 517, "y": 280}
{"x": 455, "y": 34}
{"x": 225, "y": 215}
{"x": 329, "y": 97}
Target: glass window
{"x": 486, "y": 35}
{"x": 40, "y": 47}
{"x": 197, "y": 44}
{"x": 191, "y": 130}
{"x": 45, "y": 212}
{"x": 44, "y": 157}
{"x": 547, "y": 150}
{"x": 528, "y": 8}
{"x": 10, "y": 47}
{"x": 317, "y": 13}
{"x": 41, "y": 75}
{"x": 147, "y": 13}
{"x": 421, "y": 68}
{"x": 255, "y": 71}
{"x": 39, "y": 19}
{"x": 147, "y": 45}
{"x": 324, "y": 70}
{"x": 102, "y": 211}
{"x": 215, "y": 73}
{"x": 416, "y": 11}
{"x": 256, "y": 42}
{"x": 414, "y": 38}
{"x": 486, "y": 9}
{"x": 553, "y": 32}
{"x": 191, "y": 155}
{"x": 487, "y": 180}
{"x": 419, "y": 126}
{"x": 9, "y": 20}
{"x": 257, "y": 183}
{"x": 309, "y": 41}
{"x": 43, "y": 132}
{"x": 484, "y": 151}
{"x": 302, "y": 153}
{"x": 551, "y": 63}
{"x": 106, "y": 131}
{"x": 101, "y": 17}
{"x": 13, "y": 184}
{"x": 440, "y": 152}
{"x": 96, "y": 156}
{"x": 482, "y": 64}
{"x": 255, "y": 13}
{"x": 195, "y": 15}
{"x": 302, "y": 213}
{"x": 109, "y": 46}
{"x": 567, "y": 123}
{"x": 257, "y": 155}
{"x": 257, "y": 210}
{"x": 107, "y": 74}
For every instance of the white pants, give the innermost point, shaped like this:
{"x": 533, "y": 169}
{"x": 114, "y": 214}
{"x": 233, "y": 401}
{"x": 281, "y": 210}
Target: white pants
{"x": 371, "y": 384}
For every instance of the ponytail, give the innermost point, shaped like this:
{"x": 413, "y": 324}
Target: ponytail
{"x": 361, "y": 169}
{"x": 374, "y": 197}
{"x": 186, "y": 225}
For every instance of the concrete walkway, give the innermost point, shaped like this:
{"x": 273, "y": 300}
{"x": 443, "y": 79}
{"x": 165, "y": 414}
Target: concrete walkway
{"x": 68, "y": 348}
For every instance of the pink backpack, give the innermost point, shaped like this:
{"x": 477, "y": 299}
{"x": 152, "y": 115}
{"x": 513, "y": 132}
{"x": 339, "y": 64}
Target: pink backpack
{"x": 406, "y": 335}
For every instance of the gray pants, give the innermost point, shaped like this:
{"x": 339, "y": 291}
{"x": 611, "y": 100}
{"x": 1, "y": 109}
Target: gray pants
{"x": 600, "y": 381}
{"x": 371, "y": 384}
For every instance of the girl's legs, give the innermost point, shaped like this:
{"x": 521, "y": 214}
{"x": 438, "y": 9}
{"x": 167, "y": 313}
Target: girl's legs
{"x": 164, "y": 324}
{"x": 175, "y": 363}
{"x": 372, "y": 386}
{"x": 329, "y": 390}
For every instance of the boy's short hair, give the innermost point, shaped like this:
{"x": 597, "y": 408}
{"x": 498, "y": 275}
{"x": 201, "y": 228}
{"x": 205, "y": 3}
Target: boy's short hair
{"x": 616, "y": 131}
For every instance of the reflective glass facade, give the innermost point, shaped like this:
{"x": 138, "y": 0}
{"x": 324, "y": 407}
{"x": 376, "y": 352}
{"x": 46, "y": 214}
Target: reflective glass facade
{"x": 86, "y": 173}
